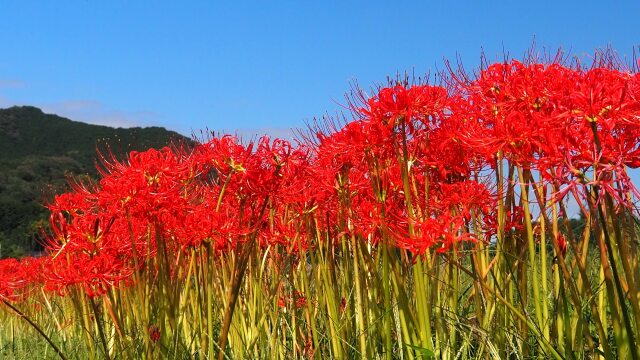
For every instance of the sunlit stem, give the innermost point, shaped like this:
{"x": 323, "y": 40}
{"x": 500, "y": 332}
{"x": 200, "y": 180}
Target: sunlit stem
{"x": 532, "y": 248}
{"x": 530, "y": 324}
{"x": 421, "y": 284}
{"x": 633, "y": 347}
{"x": 35, "y": 326}
{"x": 362, "y": 340}
{"x": 387, "y": 299}
{"x": 543, "y": 259}
{"x": 557, "y": 285}
{"x": 98, "y": 319}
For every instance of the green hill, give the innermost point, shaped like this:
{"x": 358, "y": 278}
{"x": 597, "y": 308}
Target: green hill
{"x": 38, "y": 152}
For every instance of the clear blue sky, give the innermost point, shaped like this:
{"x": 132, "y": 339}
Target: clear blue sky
{"x": 194, "y": 65}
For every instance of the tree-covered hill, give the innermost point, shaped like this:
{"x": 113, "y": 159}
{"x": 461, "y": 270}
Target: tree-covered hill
{"x": 39, "y": 152}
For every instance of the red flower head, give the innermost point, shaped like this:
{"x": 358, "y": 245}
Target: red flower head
{"x": 18, "y": 277}
{"x": 154, "y": 333}
{"x": 301, "y": 300}
{"x": 562, "y": 244}
{"x": 421, "y": 103}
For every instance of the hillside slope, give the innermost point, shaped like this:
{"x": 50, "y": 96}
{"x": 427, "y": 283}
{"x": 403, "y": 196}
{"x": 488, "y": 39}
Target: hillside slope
{"x": 38, "y": 152}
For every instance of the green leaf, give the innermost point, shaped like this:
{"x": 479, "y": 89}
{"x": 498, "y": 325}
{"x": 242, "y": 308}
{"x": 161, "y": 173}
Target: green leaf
{"x": 424, "y": 352}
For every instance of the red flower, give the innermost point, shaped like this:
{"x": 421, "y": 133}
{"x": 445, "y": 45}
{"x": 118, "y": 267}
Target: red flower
{"x": 19, "y": 277}
{"x": 301, "y": 300}
{"x": 154, "y": 333}
{"x": 562, "y": 244}
{"x": 420, "y": 103}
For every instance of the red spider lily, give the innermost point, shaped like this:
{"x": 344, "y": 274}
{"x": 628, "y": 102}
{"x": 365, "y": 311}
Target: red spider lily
{"x": 309, "y": 350}
{"x": 444, "y": 232}
{"x": 88, "y": 251}
{"x": 408, "y": 170}
{"x": 289, "y": 233}
{"x": 561, "y": 241}
{"x": 301, "y": 300}
{"x": 463, "y": 197}
{"x": 420, "y": 103}
{"x": 562, "y": 121}
{"x": 361, "y": 162}
{"x": 151, "y": 183}
{"x": 443, "y": 153}
{"x": 343, "y": 305}
{"x": 95, "y": 274}
{"x": 18, "y": 277}
{"x": 225, "y": 154}
{"x": 91, "y": 253}
{"x": 203, "y": 222}
{"x": 514, "y": 221}
{"x": 96, "y": 231}
{"x": 154, "y": 333}
{"x": 516, "y": 105}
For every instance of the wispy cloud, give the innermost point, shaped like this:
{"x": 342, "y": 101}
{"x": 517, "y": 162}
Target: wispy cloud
{"x": 92, "y": 112}
{"x": 11, "y": 84}
{"x": 84, "y": 110}
{"x": 95, "y": 112}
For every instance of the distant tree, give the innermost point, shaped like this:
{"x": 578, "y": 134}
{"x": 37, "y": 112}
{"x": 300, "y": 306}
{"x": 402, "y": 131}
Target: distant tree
{"x": 9, "y": 249}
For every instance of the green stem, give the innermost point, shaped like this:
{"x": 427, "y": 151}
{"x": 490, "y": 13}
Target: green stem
{"x": 387, "y": 300}
{"x": 616, "y": 279}
{"x": 530, "y": 324}
{"x": 611, "y": 255}
{"x": 359, "y": 314}
{"x": 532, "y": 248}
{"x": 36, "y": 327}
{"x": 103, "y": 339}
{"x": 208, "y": 278}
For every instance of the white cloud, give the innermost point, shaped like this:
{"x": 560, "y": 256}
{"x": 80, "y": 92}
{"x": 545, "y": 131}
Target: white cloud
{"x": 84, "y": 110}
{"x": 94, "y": 112}
{"x": 91, "y": 112}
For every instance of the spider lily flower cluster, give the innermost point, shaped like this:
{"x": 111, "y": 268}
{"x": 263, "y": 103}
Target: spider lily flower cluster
{"x": 433, "y": 223}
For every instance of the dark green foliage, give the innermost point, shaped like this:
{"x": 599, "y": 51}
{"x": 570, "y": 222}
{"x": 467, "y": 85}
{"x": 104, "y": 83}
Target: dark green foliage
{"x": 38, "y": 152}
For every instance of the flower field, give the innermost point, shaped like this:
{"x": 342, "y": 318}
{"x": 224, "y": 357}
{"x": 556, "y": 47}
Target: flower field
{"x": 433, "y": 221}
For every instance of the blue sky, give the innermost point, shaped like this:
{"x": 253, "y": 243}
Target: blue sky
{"x": 256, "y": 68}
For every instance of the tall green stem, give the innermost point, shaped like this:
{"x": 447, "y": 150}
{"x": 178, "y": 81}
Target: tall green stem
{"x": 532, "y": 248}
